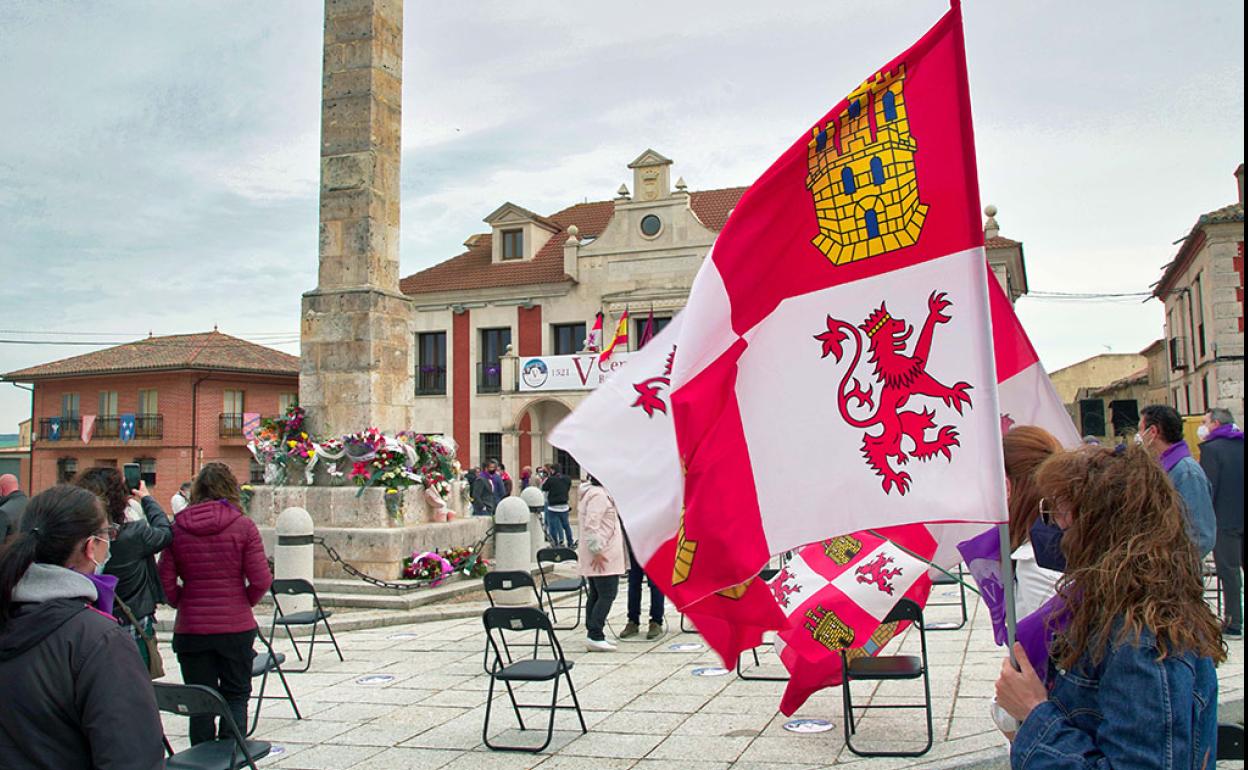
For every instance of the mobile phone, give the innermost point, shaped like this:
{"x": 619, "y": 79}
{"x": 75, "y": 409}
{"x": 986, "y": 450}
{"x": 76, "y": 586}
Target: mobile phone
{"x": 132, "y": 475}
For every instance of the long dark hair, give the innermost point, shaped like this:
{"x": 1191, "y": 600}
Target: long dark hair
{"x": 216, "y": 482}
{"x": 107, "y": 484}
{"x": 1128, "y": 557}
{"x": 55, "y": 523}
{"x": 1025, "y": 448}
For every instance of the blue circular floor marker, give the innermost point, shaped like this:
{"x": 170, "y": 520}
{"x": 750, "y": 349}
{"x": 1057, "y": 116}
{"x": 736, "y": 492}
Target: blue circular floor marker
{"x": 375, "y": 679}
{"x": 710, "y": 671}
{"x": 808, "y": 725}
{"x": 685, "y": 647}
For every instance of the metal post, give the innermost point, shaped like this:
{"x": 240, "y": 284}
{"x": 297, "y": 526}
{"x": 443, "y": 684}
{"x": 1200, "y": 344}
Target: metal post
{"x": 1007, "y": 580}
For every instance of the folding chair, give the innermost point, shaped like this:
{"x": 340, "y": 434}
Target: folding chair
{"x": 1212, "y": 583}
{"x": 1230, "y": 741}
{"x": 264, "y": 663}
{"x": 940, "y": 580}
{"x": 889, "y": 668}
{"x": 501, "y": 620}
{"x": 766, "y": 576}
{"x": 190, "y": 700}
{"x": 509, "y": 581}
{"x": 313, "y": 617}
{"x": 553, "y": 557}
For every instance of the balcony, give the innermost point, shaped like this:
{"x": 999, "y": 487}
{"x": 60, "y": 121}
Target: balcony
{"x": 230, "y": 425}
{"x": 431, "y": 381}
{"x": 490, "y": 377}
{"x": 60, "y": 428}
{"x": 1178, "y": 353}
{"x": 146, "y": 427}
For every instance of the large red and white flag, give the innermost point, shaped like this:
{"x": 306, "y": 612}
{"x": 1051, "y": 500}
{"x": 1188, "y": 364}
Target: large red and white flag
{"x": 834, "y": 368}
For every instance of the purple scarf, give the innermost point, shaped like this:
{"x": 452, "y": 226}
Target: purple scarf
{"x": 1173, "y": 454}
{"x": 106, "y": 587}
{"x": 1225, "y": 431}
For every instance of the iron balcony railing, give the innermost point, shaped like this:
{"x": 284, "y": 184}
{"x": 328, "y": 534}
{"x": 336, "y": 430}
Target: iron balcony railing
{"x": 489, "y": 377}
{"x": 149, "y": 426}
{"x": 231, "y": 424}
{"x": 108, "y": 426}
{"x": 1178, "y": 353}
{"x": 431, "y": 381}
{"x": 60, "y": 428}
{"x": 146, "y": 426}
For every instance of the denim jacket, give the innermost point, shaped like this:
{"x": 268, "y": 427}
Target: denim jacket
{"x": 1197, "y": 495}
{"x": 1130, "y": 711}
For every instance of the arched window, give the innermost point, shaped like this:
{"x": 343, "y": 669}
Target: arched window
{"x": 872, "y": 222}
{"x": 890, "y": 106}
{"x": 847, "y": 179}
{"x": 877, "y": 171}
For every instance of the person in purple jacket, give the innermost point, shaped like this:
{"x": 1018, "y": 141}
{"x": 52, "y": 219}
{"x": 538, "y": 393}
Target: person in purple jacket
{"x": 213, "y": 574}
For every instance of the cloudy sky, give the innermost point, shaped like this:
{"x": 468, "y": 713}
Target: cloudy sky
{"x": 160, "y": 159}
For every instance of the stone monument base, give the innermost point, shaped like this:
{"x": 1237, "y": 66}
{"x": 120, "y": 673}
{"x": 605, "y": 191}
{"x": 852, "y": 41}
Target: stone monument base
{"x": 361, "y": 530}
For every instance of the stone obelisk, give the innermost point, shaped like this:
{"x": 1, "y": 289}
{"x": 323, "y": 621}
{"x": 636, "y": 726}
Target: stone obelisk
{"x": 354, "y": 330}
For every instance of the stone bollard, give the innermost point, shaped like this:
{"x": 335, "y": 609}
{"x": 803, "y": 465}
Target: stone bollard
{"x": 293, "y": 555}
{"x": 533, "y": 497}
{"x": 512, "y": 547}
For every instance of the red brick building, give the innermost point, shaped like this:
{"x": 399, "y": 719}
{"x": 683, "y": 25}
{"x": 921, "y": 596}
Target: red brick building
{"x": 187, "y": 393}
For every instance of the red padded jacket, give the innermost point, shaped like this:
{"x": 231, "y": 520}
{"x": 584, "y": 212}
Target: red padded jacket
{"x": 215, "y": 570}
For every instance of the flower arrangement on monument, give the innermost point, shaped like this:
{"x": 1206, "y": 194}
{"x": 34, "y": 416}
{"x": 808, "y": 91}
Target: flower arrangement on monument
{"x": 467, "y": 561}
{"x": 429, "y": 565}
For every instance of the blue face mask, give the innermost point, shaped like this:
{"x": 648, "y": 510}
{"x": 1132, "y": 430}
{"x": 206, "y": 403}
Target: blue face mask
{"x": 1046, "y": 541}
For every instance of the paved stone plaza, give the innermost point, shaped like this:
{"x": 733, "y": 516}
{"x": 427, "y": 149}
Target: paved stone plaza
{"x": 644, "y": 707}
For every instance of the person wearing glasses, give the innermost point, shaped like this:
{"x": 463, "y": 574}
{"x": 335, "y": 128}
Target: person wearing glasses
{"x": 76, "y": 697}
{"x": 1025, "y": 448}
{"x": 1124, "y": 675}
{"x": 213, "y": 574}
{"x": 133, "y": 556}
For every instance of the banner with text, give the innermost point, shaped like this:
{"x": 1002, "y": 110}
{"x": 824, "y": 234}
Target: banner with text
{"x": 575, "y": 372}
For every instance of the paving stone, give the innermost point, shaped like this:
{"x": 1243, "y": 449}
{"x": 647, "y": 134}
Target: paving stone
{"x": 616, "y": 745}
{"x": 328, "y": 756}
{"x": 691, "y": 748}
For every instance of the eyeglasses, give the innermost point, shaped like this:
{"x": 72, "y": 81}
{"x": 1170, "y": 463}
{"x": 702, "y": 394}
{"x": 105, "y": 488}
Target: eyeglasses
{"x": 108, "y": 533}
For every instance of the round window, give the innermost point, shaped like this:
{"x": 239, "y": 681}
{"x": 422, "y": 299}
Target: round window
{"x": 651, "y": 225}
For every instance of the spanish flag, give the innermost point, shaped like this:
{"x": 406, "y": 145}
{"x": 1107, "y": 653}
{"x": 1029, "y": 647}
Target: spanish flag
{"x": 619, "y": 340}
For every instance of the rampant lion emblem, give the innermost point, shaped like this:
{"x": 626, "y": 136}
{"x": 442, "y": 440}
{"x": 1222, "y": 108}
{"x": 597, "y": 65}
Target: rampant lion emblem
{"x": 900, "y": 377}
{"x": 782, "y": 589}
{"x": 874, "y": 573}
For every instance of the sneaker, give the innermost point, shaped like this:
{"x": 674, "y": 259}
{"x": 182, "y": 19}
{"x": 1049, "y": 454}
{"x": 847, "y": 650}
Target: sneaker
{"x": 630, "y": 630}
{"x": 654, "y": 631}
{"x": 1232, "y": 632}
{"x": 599, "y": 645}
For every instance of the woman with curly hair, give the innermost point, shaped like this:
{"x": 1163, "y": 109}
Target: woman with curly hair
{"x": 133, "y": 559}
{"x": 1130, "y": 670}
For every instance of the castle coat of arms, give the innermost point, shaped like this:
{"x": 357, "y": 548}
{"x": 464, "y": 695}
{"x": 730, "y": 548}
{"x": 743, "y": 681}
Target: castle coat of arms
{"x": 862, "y": 177}
{"x": 827, "y": 629}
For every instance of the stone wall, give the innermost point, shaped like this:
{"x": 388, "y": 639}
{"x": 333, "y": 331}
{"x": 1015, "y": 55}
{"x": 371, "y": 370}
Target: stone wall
{"x": 361, "y": 530}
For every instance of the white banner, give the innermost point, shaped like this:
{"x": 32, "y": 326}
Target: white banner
{"x": 575, "y": 372}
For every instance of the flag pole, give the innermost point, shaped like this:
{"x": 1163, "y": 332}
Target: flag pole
{"x": 929, "y": 563}
{"x": 1007, "y": 580}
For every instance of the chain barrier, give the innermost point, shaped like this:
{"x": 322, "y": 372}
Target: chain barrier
{"x": 406, "y": 585}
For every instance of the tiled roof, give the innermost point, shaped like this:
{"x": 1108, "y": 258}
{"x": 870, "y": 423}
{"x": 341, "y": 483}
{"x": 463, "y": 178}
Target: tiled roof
{"x": 474, "y": 268}
{"x": 998, "y": 242}
{"x": 1191, "y": 245}
{"x": 205, "y": 351}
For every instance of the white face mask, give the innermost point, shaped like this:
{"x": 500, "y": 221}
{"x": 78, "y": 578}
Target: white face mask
{"x": 99, "y": 565}
{"x": 1202, "y": 432}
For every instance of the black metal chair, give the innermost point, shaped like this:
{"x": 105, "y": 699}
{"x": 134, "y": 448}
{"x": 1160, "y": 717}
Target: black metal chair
{"x": 314, "y": 617}
{"x": 498, "y": 622}
{"x": 262, "y": 665}
{"x": 1230, "y": 741}
{"x": 766, "y": 576}
{"x": 1212, "y": 583}
{"x": 941, "y": 580}
{"x": 191, "y": 700}
{"x": 553, "y": 557}
{"x": 513, "y": 580}
{"x": 889, "y": 668}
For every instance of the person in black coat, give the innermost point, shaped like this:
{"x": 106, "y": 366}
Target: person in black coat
{"x": 12, "y": 504}
{"x": 76, "y": 697}
{"x": 1222, "y": 457}
{"x": 133, "y": 559}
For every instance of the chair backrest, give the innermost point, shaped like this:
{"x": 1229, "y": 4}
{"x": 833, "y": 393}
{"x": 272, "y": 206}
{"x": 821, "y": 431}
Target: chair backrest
{"x": 906, "y": 609}
{"x": 768, "y": 574}
{"x": 1230, "y": 741}
{"x": 500, "y": 620}
{"x": 555, "y": 555}
{"x": 292, "y": 587}
{"x": 507, "y": 580}
{"x": 190, "y": 700}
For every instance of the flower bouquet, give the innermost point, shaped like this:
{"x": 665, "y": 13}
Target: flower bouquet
{"x": 429, "y": 566}
{"x": 467, "y": 561}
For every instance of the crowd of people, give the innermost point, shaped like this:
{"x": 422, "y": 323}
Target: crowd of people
{"x": 82, "y": 574}
{"x": 1114, "y": 667}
